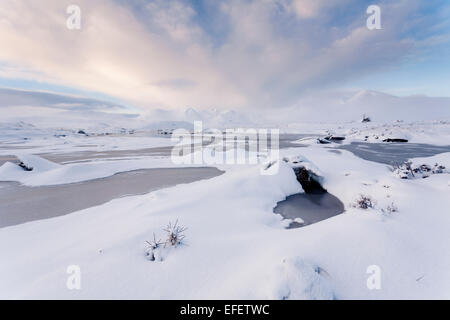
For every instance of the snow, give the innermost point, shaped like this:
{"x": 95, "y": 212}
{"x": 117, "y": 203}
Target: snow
{"x": 47, "y": 173}
{"x": 436, "y": 133}
{"x": 38, "y": 164}
{"x": 313, "y": 111}
{"x": 420, "y": 168}
{"x": 432, "y": 132}
{"x": 30, "y": 139}
{"x": 235, "y": 246}
{"x": 137, "y": 226}
{"x": 442, "y": 159}
{"x": 347, "y": 106}
{"x": 299, "y": 280}
{"x": 232, "y": 232}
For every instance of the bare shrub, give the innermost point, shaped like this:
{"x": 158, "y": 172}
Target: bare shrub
{"x": 390, "y": 209}
{"x": 363, "y": 202}
{"x": 153, "y": 248}
{"x": 404, "y": 170}
{"x": 175, "y": 234}
{"x": 157, "y": 250}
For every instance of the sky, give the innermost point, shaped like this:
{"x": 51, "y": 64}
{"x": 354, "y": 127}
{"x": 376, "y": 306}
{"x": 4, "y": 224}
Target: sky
{"x": 232, "y": 54}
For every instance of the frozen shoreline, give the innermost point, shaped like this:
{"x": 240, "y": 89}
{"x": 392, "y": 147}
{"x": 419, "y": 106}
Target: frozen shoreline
{"x": 52, "y": 201}
{"x": 393, "y": 153}
{"x": 20, "y": 204}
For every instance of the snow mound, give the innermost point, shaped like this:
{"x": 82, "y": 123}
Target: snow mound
{"x": 37, "y": 163}
{"x": 299, "y": 161}
{"x": 9, "y": 171}
{"x": 442, "y": 158}
{"x": 298, "y": 279}
{"x": 423, "y": 167}
{"x": 37, "y": 168}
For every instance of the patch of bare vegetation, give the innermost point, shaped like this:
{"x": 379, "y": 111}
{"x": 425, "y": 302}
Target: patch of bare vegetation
{"x": 364, "y": 202}
{"x": 157, "y": 249}
{"x": 390, "y": 209}
{"x": 408, "y": 170}
{"x": 175, "y": 234}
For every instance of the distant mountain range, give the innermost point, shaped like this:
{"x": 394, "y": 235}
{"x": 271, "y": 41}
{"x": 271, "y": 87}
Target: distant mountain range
{"x": 49, "y": 109}
{"x": 381, "y": 107}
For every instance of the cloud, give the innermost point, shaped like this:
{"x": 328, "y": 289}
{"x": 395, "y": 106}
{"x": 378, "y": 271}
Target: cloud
{"x": 168, "y": 54}
{"x": 13, "y": 97}
{"x": 45, "y": 109}
{"x": 311, "y": 9}
{"x": 113, "y": 53}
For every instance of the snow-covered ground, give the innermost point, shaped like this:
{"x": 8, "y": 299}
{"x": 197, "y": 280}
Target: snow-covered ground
{"x": 235, "y": 246}
{"x": 26, "y": 138}
{"x": 37, "y": 118}
{"x": 431, "y": 132}
{"x": 232, "y": 232}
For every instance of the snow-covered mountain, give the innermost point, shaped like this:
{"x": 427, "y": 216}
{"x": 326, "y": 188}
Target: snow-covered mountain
{"x": 331, "y": 107}
{"x": 218, "y": 118}
{"x": 352, "y": 105}
{"x": 55, "y": 110}
{"x": 50, "y": 110}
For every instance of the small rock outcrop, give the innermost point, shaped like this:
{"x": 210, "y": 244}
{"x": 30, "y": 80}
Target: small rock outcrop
{"x": 307, "y": 174}
{"x": 366, "y": 119}
{"x": 25, "y": 167}
{"x": 395, "y": 140}
{"x": 335, "y": 138}
{"x": 330, "y": 138}
{"x": 308, "y": 180}
{"x": 323, "y": 141}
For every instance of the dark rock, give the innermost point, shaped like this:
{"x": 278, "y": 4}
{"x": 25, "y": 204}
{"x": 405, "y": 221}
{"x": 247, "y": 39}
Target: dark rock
{"x": 309, "y": 181}
{"x": 25, "y": 167}
{"x": 366, "y": 119}
{"x": 323, "y": 141}
{"x": 395, "y": 140}
{"x": 334, "y": 138}
{"x": 82, "y": 132}
{"x": 329, "y": 139}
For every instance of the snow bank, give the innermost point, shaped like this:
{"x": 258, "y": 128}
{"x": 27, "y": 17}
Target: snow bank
{"x": 442, "y": 158}
{"x": 296, "y": 279}
{"x": 419, "y": 168}
{"x": 37, "y": 163}
{"x": 47, "y": 173}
